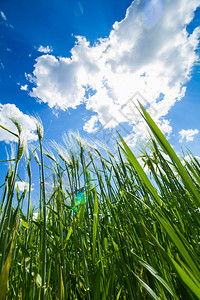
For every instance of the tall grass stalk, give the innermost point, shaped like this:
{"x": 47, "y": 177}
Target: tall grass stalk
{"x": 43, "y": 201}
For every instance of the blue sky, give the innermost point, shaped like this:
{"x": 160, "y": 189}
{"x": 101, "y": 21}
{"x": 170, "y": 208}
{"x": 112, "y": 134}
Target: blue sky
{"x": 78, "y": 63}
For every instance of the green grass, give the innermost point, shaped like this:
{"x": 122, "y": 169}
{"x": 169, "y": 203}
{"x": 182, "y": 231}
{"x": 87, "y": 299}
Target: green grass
{"x": 106, "y": 229}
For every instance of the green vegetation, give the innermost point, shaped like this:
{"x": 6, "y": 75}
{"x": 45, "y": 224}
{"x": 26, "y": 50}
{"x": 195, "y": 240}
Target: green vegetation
{"x": 106, "y": 229}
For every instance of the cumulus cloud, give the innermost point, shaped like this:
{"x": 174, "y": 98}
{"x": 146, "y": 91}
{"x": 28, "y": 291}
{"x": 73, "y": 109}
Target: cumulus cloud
{"x": 188, "y": 135}
{"x": 189, "y": 158}
{"x": 91, "y": 125}
{"x": 10, "y": 111}
{"x": 149, "y": 53}
{"x": 35, "y": 216}
{"x": 45, "y": 49}
{"x": 22, "y": 185}
{"x": 24, "y": 87}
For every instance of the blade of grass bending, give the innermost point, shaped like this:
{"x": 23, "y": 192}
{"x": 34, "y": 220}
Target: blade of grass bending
{"x": 186, "y": 279}
{"x": 1, "y": 126}
{"x": 163, "y": 142}
{"x": 119, "y": 293}
{"x": 147, "y": 288}
{"x": 132, "y": 159}
{"x": 177, "y": 241}
{"x": 8, "y": 160}
{"x": 180, "y": 246}
{"x": 6, "y": 268}
{"x": 154, "y": 273}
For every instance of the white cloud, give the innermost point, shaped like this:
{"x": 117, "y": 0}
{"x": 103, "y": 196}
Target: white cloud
{"x": 189, "y": 158}
{"x": 3, "y": 15}
{"x": 24, "y": 87}
{"x": 8, "y": 111}
{"x": 91, "y": 125}
{"x": 5, "y": 21}
{"x": 149, "y": 52}
{"x": 45, "y": 49}
{"x": 2, "y": 65}
{"x": 23, "y": 185}
{"x": 187, "y": 135}
{"x": 35, "y": 216}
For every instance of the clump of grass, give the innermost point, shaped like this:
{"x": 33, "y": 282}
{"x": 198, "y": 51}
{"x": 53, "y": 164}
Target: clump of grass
{"x": 106, "y": 229}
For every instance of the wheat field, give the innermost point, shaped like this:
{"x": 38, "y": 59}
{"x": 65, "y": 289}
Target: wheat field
{"x": 109, "y": 227}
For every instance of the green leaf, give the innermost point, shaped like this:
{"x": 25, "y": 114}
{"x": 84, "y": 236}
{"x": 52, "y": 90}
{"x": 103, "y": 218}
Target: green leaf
{"x": 180, "y": 246}
{"x": 25, "y": 223}
{"x": 147, "y": 288}
{"x": 6, "y": 269}
{"x": 1, "y": 126}
{"x": 186, "y": 279}
{"x": 95, "y": 222}
{"x": 163, "y": 142}
{"x": 38, "y": 280}
{"x": 132, "y": 159}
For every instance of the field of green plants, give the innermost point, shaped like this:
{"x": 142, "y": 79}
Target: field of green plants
{"x": 107, "y": 228}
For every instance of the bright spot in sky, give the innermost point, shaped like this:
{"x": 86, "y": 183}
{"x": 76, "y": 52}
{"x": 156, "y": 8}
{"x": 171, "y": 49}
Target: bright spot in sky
{"x": 152, "y": 12}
